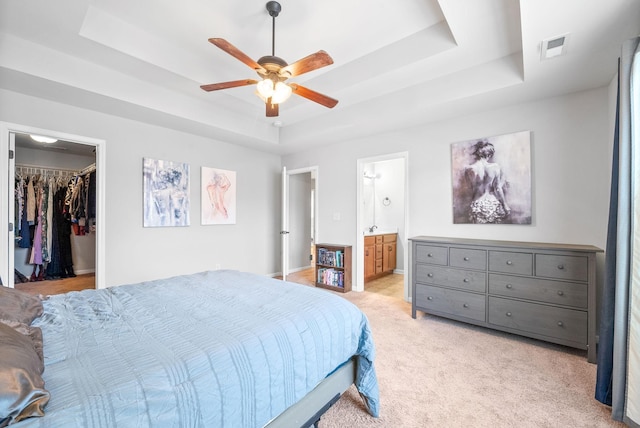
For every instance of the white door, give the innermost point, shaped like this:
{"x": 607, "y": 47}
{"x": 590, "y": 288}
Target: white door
{"x": 284, "y": 230}
{"x": 7, "y": 263}
{"x": 299, "y": 204}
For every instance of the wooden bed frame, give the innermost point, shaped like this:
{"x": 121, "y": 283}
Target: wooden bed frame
{"x": 312, "y": 406}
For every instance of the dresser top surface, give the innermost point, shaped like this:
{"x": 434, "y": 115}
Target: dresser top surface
{"x": 505, "y": 244}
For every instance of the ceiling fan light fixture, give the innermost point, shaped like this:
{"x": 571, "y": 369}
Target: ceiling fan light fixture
{"x": 274, "y": 71}
{"x": 265, "y": 88}
{"x": 281, "y": 93}
{"x": 43, "y": 139}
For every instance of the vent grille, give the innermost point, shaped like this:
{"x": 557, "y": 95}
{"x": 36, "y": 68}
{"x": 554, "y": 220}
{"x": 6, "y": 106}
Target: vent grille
{"x": 554, "y": 47}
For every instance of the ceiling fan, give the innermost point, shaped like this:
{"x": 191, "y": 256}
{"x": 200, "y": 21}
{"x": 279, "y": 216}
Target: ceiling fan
{"x": 274, "y": 71}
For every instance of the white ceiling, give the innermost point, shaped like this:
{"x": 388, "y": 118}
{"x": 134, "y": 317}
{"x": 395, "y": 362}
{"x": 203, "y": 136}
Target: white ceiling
{"x": 397, "y": 64}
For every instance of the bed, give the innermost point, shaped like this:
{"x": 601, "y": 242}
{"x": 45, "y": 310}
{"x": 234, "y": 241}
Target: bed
{"x": 212, "y": 349}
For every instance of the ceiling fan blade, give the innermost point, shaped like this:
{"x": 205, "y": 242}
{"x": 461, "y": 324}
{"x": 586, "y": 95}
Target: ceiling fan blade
{"x": 226, "y": 85}
{"x": 236, "y": 53}
{"x": 309, "y": 63}
{"x": 272, "y": 109}
{"x": 313, "y": 95}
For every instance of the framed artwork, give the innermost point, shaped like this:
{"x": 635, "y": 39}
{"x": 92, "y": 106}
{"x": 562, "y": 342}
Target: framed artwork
{"x": 491, "y": 180}
{"x": 166, "y": 193}
{"x": 218, "y": 187}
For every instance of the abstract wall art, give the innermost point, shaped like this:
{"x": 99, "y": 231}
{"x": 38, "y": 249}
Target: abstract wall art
{"x": 166, "y": 193}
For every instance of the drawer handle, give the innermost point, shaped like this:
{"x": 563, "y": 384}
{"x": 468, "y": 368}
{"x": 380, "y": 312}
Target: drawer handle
{"x": 560, "y": 267}
{"x": 465, "y": 280}
{"x": 465, "y": 305}
{"x": 466, "y": 259}
{"x": 508, "y": 314}
{"x": 430, "y": 275}
{"x": 560, "y": 323}
{"x": 560, "y": 293}
{"x": 429, "y": 298}
{"x": 509, "y": 286}
{"x": 509, "y": 262}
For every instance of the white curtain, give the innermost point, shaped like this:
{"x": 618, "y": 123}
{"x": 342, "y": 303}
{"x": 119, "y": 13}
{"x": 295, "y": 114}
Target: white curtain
{"x": 632, "y": 414}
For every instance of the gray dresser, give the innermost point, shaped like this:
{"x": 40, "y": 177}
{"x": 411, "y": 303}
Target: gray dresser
{"x": 539, "y": 290}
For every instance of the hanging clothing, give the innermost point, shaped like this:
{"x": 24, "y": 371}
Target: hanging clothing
{"x": 49, "y": 207}
{"x": 23, "y": 236}
{"x": 36, "y": 248}
{"x": 31, "y": 202}
{"x": 51, "y": 191}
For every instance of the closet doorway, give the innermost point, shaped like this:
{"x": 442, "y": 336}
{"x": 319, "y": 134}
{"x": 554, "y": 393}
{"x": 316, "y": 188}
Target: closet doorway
{"x": 72, "y": 167}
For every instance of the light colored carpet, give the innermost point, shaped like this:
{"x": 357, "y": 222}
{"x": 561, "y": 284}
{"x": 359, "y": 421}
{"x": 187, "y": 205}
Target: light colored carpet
{"x": 435, "y": 372}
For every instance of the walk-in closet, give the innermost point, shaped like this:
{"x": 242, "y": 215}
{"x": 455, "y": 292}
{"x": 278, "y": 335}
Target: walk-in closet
{"x": 55, "y": 211}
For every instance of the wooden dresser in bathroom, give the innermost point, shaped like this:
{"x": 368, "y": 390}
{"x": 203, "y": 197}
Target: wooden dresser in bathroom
{"x": 379, "y": 255}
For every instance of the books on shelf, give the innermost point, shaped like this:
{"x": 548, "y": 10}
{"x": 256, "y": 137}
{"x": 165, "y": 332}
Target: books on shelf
{"x": 330, "y": 258}
{"x": 333, "y": 267}
{"x": 330, "y": 276}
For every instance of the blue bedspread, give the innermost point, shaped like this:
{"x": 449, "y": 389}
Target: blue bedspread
{"x": 214, "y": 349}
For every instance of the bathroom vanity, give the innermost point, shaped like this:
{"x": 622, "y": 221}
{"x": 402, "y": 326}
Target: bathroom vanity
{"x": 379, "y": 254}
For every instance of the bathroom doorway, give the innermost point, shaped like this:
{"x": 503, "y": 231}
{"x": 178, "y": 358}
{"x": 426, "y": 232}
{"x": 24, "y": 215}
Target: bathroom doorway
{"x": 382, "y": 212}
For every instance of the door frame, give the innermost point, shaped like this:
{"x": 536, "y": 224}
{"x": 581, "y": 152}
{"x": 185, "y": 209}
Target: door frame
{"x": 360, "y": 224}
{"x": 314, "y": 170}
{"x": 7, "y": 195}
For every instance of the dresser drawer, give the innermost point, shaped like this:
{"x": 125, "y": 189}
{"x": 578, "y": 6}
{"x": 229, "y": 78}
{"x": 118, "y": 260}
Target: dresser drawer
{"x": 453, "y": 302}
{"x": 518, "y": 263}
{"x": 562, "y": 267}
{"x": 389, "y": 238}
{"x": 542, "y": 290}
{"x": 558, "y": 323}
{"x": 455, "y": 278}
{"x": 432, "y": 254}
{"x": 468, "y": 259}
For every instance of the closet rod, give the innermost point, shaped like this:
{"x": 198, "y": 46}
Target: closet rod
{"x": 88, "y": 169}
{"x": 42, "y": 167}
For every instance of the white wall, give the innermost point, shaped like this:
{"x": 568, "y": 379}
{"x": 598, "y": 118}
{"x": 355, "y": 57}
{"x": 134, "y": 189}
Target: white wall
{"x": 134, "y": 253}
{"x": 571, "y": 156}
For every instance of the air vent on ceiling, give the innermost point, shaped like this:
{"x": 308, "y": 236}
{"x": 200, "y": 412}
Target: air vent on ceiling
{"x": 554, "y": 47}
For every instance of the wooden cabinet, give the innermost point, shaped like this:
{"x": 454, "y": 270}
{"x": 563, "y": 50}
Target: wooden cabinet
{"x": 389, "y": 253}
{"x": 379, "y": 255}
{"x": 539, "y": 290}
{"x": 369, "y": 257}
{"x": 333, "y": 267}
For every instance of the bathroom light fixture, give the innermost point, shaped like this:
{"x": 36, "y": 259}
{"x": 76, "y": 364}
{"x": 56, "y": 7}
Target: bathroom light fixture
{"x": 43, "y": 139}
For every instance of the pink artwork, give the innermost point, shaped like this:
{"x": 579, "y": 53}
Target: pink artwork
{"x": 218, "y": 196}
